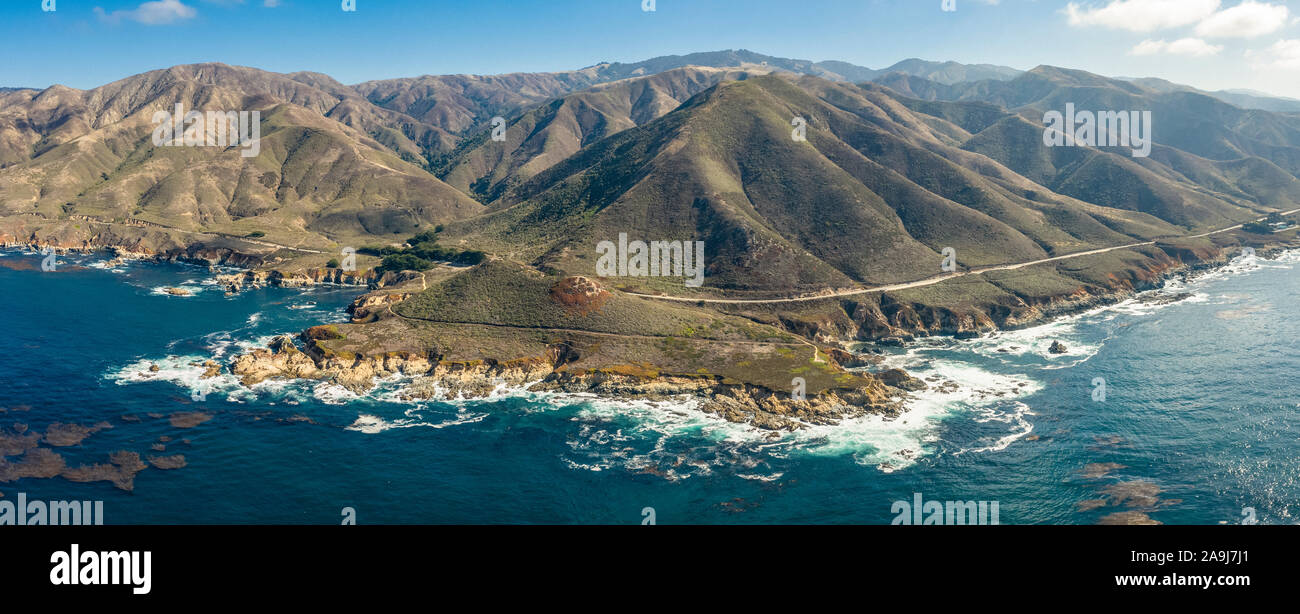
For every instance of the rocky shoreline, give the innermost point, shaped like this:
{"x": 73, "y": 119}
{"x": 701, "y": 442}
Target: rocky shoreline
{"x": 432, "y": 378}
{"x": 890, "y": 323}
{"x": 236, "y": 282}
{"x": 736, "y": 402}
{"x": 886, "y": 322}
{"x": 775, "y": 410}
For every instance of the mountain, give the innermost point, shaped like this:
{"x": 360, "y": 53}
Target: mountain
{"x": 320, "y": 177}
{"x": 1246, "y": 99}
{"x": 551, "y": 132}
{"x": 884, "y": 183}
{"x": 873, "y": 196}
{"x": 948, "y": 73}
{"x": 466, "y": 103}
{"x": 825, "y": 199}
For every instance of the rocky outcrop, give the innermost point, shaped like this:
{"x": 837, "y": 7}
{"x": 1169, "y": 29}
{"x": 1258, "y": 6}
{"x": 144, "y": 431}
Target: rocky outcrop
{"x": 849, "y": 360}
{"x": 901, "y": 380}
{"x": 260, "y": 278}
{"x": 580, "y": 296}
{"x": 282, "y": 360}
{"x": 554, "y": 372}
{"x": 375, "y": 305}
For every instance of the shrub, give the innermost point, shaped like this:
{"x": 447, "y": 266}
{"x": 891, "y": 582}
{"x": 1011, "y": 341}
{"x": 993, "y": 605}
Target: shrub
{"x": 404, "y": 262}
{"x": 420, "y": 253}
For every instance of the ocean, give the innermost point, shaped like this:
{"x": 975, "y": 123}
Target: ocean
{"x": 1180, "y": 406}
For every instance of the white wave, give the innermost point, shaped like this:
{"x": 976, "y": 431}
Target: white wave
{"x": 893, "y": 443}
{"x": 103, "y": 266}
{"x": 333, "y": 394}
{"x": 1015, "y": 418}
{"x": 184, "y": 371}
{"x": 414, "y": 416}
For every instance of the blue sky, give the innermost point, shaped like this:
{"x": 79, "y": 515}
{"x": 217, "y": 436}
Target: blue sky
{"x": 1213, "y": 44}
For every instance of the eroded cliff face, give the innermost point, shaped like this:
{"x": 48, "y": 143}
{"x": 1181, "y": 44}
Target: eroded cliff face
{"x": 890, "y": 319}
{"x": 144, "y": 241}
{"x": 555, "y": 372}
{"x": 259, "y": 278}
{"x": 136, "y": 240}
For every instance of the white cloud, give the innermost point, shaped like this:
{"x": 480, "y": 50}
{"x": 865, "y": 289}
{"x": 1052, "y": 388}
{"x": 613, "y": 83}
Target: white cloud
{"x": 1141, "y": 15}
{"x": 1246, "y": 20}
{"x": 1194, "y": 47}
{"x": 155, "y": 12}
{"x": 1284, "y": 54}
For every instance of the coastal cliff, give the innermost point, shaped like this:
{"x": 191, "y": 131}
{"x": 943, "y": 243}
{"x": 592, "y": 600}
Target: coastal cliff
{"x": 968, "y": 307}
{"x": 579, "y": 366}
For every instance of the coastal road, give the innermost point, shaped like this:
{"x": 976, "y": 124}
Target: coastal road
{"x": 930, "y": 280}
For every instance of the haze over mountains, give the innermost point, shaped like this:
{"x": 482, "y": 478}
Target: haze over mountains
{"x": 698, "y": 147}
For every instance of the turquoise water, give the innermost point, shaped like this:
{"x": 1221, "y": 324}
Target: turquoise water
{"x": 1201, "y": 401}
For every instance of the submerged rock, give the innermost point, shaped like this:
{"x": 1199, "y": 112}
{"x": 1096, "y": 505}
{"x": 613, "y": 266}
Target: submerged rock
{"x": 1133, "y": 494}
{"x": 188, "y": 419}
{"x": 34, "y": 463}
{"x": 1098, "y": 470}
{"x": 1128, "y": 518}
{"x": 120, "y": 470}
{"x": 175, "y": 461}
{"x": 1058, "y": 348}
{"x": 64, "y": 435}
{"x": 1090, "y": 504}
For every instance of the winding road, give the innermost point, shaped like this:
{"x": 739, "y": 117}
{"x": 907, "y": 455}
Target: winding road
{"x": 930, "y": 280}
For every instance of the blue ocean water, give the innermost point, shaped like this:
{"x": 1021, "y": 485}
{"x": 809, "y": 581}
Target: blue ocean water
{"x": 1200, "y": 402}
